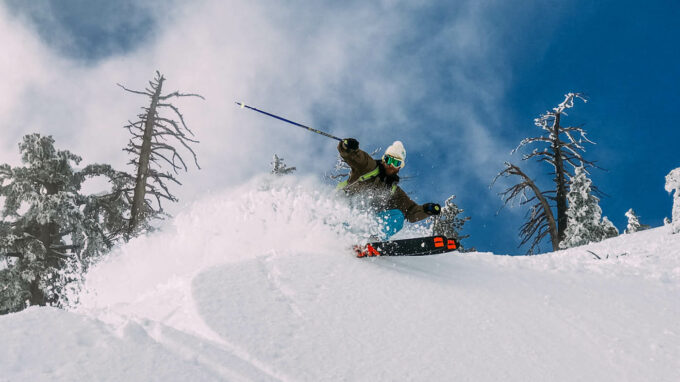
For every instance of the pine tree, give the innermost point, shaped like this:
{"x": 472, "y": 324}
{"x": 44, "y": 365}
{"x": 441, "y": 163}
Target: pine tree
{"x": 673, "y": 185}
{"x": 633, "y": 222}
{"x": 584, "y": 222}
{"x": 609, "y": 229}
{"x": 279, "y": 167}
{"x": 449, "y": 223}
{"x": 49, "y": 232}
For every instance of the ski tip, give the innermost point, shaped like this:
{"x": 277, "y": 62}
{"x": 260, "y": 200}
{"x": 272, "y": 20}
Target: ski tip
{"x": 366, "y": 251}
{"x": 241, "y": 104}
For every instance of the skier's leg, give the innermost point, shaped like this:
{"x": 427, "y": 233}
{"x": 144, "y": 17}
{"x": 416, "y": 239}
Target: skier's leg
{"x": 391, "y": 222}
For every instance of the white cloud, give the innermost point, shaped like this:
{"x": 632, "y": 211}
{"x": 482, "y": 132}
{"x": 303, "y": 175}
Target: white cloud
{"x": 357, "y": 65}
{"x": 22, "y": 65}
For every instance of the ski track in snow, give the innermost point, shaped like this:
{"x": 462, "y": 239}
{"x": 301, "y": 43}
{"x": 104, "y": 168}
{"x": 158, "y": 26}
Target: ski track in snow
{"x": 259, "y": 284}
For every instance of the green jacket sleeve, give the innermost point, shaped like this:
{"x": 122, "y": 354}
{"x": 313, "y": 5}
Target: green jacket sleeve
{"x": 412, "y": 211}
{"x": 358, "y": 160}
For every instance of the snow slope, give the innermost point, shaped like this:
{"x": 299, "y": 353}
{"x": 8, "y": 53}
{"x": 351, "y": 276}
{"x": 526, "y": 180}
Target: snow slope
{"x": 257, "y": 284}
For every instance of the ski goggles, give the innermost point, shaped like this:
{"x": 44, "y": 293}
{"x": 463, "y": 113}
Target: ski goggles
{"x": 392, "y": 161}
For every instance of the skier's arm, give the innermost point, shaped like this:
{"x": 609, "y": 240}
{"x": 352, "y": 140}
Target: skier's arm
{"x": 412, "y": 211}
{"x": 357, "y": 159}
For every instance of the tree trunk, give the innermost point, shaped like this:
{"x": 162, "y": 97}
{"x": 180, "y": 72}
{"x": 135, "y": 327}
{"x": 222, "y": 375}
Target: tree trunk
{"x": 47, "y": 235}
{"x": 37, "y": 295}
{"x": 137, "y": 211}
{"x": 560, "y": 182}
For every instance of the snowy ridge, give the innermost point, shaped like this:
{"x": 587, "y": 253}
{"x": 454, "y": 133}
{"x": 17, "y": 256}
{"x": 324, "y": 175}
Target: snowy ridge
{"x": 257, "y": 284}
{"x": 652, "y": 254}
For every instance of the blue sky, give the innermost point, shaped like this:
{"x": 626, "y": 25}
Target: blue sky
{"x": 459, "y": 82}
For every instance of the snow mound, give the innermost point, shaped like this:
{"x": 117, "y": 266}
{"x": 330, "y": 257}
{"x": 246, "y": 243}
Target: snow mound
{"x": 258, "y": 284}
{"x": 151, "y": 276}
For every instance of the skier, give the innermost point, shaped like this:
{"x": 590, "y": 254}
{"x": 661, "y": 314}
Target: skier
{"x": 375, "y": 181}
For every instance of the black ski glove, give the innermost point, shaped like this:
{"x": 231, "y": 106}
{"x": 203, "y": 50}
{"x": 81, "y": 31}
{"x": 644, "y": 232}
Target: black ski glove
{"x": 432, "y": 208}
{"x": 350, "y": 144}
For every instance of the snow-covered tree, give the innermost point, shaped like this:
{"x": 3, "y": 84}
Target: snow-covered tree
{"x": 150, "y": 149}
{"x": 50, "y": 232}
{"x": 585, "y": 224}
{"x": 633, "y": 222}
{"x": 673, "y": 184}
{"x": 562, "y": 148}
{"x": 279, "y": 167}
{"x": 449, "y": 223}
{"x": 609, "y": 229}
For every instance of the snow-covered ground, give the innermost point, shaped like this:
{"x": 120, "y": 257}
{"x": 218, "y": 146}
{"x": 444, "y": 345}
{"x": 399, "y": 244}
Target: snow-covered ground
{"x": 258, "y": 284}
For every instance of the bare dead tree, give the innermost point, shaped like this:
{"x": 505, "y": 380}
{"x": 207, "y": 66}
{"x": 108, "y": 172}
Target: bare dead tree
{"x": 540, "y": 219}
{"x": 150, "y": 150}
{"x": 562, "y": 148}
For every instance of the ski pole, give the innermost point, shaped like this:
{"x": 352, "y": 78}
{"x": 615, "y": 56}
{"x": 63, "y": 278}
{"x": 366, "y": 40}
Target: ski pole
{"x": 289, "y": 121}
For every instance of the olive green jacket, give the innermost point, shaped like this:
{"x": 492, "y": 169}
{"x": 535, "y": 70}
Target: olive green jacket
{"x": 368, "y": 179}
